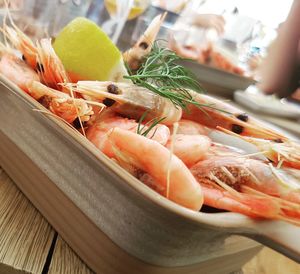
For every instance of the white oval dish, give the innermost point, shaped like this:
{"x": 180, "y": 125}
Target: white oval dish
{"x": 87, "y": 197}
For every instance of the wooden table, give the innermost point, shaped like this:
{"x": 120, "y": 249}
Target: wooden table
{"x": 28, "y": 244}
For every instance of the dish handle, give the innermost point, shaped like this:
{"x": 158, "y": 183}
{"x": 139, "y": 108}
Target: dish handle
{"x": 280, "y": 236}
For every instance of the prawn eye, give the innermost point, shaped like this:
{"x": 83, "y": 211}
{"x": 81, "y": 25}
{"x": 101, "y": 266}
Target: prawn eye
{"x": 278, "y": 141}
{"x": 113, "y": 89}
{"x": 237, "y": 129}
{"x": 243, "y": 117}
{"x": 23, "y": 58}
{"x": 143, "y": 45}
{"x": 45, "y": 101}
{"x": 108, "y": 102}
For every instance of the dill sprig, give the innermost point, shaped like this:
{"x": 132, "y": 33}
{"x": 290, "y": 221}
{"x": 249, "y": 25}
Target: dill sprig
{"x": 144, "y": 129}
{"x": 162, "y": 74}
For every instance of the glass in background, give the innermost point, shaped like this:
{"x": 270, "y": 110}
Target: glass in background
{"x": 120, "y": 12}
{"x": 40, "y": 18}
{"x": 137, "y": 8}
{"x": 66, "y": 11}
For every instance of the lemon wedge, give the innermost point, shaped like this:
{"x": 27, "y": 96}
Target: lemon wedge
{"x": 87, "y": 52}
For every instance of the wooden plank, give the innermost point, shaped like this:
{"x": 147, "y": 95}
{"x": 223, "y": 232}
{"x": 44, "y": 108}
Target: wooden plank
{"x": 65, "y": 260}
{"x": 268, "y": 261}
{"x": 25, "y": 236}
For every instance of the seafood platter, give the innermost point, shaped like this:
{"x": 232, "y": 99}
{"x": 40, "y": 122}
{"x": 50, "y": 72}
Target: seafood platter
{"x": 124, "y": 153}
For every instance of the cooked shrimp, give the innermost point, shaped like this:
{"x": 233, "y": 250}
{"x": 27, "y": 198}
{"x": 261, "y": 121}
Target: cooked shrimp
{"x": 50, "y": 66}
{"x": 189, "y": 52}
{"x": 22, "y": 43}
{"x": 217, "y": 149}
{"x": 218, "y": 113}
{"x": 190, "y": 128}
{"x": 190, "y": 148}
{"x": 40, "y": 57}
{"x": 170, "y": 173}
{"x": 135, "y": 55}
{"x": 218, "y": 60}
{"x": 17, "y": 71}
{"x": 129, "y": 100}
{"x": 236, "y": 175}
{"x": 98, "y": 132}
{"x": 60, "y": 103}
{"x": 249, "y": 205}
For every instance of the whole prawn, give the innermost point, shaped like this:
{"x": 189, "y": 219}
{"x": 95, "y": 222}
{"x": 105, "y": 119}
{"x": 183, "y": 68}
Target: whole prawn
{"x": 241, "y": 184}
{"x": 16, "y": 70}
{"x": 40, "y": 56}
{"x": 60, "y": 103}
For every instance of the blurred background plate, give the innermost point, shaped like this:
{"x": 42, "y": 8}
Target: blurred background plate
{"x": 218, "y": 81}
{"x": 267, "y": 104}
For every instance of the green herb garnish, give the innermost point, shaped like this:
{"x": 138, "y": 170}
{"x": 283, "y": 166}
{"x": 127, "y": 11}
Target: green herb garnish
{"x": 162, "y": 74}
{"x": 144, "y": 129}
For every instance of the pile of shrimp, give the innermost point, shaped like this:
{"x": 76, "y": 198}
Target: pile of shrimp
{"x": 165, "y": 147}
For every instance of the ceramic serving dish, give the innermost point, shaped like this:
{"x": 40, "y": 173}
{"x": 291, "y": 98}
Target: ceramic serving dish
{"x": 115, "y": 223}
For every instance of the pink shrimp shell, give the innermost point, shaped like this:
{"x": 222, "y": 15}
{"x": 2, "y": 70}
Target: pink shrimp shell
{"x": 154, "y": 159}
